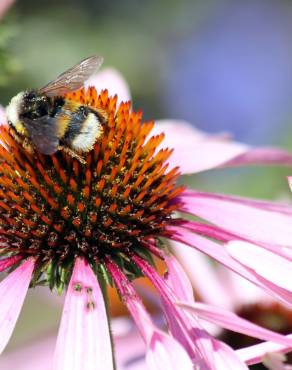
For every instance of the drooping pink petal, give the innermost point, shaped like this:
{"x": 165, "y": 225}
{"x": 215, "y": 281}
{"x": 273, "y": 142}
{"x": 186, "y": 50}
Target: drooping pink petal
{"x": 269, "y": 265}
{"x": 259, "y": 156}
{"x": 38, "y": 354}
{"x": 83, "y": 340}
{"x": 186, "y": 328}
{"x": 113, "y": 81}
{"x": 163, "y": 351}
{"x": 220, "y": 254}
{"x": 178, "y": 279}
{"x": 229, "y": 320}
{"x": 179, "y": 129}
{"x": 221, "y": 235}
{"x": 208, "y": 247}
{"x": 198, "y": 265}
{"x": 232, "y": 291}
{"x": 241, "y": 291}
{"x": 195, "y": 151}
{"x": 211, "y": 231}
{"x": 187, "y": 332}
{"x": 254, "y": 354}
{"x": 179, "y": 282}
{"x": 13, "y": 290}
{"x": 257, "y": 203}
{"x": 132, "y": 301}
{"x": 166, "y": 353}
{"x": 226, "y": 358}
{"x": 241, "y": 219}
{"x": 5, "y": 263}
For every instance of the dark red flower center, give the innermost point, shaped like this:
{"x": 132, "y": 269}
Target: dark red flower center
{"x": 55, "y": 208}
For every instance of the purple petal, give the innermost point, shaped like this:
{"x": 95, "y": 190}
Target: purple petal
{"x": 241, "y": 291}
{"x": 195, "y": 151}
{"x": 198, "y": 265}
{"x": 254, "y": 354}
{"x": 233, "y": 293}
{"x": 166, "y": 353}
{"x": 258, "y": 156}
{"x": 203, "y": 349}
{"x": 220, "y": 254}
{"x": 113, "y": 81}
{"x": 13, "y": 290}
{"x": 163, "y": 352}
{"x": 83, "y": 340}
{"x": 253, "y": 223}
{"x": 220, "y": 235}
{"x": 132, "y": 301}
{"x": 185, "y": 328}
{"x": 226, "y": 358}
{"x": 5, "y": 263}
{"x": 270, "y": 266}
{"x": 231, "y": 321}
{"x": 175, "y": 130}
{"x": 178, "y": 280}
{"x": 261, "y": 204}
{"x": 38, "y": 354}
{"x": 211, "y": 231}
{"x": 210, "y": 248}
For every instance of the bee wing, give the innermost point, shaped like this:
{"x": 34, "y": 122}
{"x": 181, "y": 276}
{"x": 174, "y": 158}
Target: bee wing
{"x": 73, "y": 78}
{"x": 43, "y": 133}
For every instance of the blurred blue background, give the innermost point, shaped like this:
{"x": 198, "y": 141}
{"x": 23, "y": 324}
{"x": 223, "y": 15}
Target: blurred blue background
{"x": 234, "y": 70}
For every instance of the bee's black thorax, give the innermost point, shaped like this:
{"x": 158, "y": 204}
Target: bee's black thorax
{"x": 36, "y": 105}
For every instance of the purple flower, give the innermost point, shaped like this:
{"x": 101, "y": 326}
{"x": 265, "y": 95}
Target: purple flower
{"x": 80, "y": 227}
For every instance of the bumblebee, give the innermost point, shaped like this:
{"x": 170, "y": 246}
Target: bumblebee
{"x": 45, "y": 121}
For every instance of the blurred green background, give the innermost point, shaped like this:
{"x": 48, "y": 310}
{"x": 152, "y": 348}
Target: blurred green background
{"x": 221, "y": 65}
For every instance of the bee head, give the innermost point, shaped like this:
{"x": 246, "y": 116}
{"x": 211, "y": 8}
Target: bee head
{"x": 26, "y": 104}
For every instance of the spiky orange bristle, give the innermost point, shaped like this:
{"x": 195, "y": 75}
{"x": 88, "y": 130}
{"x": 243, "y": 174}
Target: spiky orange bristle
{"x": 55, "y": 208}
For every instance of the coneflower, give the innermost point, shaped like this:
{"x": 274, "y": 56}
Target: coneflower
{"x": 79, "y": 227}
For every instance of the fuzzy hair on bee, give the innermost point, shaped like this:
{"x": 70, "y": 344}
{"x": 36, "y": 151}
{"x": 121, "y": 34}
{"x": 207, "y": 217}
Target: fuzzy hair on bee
{"x": 44, "y": 120}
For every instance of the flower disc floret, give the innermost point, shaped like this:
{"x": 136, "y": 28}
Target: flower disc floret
{"x": 55, "y": 208}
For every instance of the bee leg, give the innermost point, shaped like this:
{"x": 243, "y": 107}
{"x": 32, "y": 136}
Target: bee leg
{"x": 15, "y": 136}
{"x": 27, "y": 146}
{"x": 72, "y": 154}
